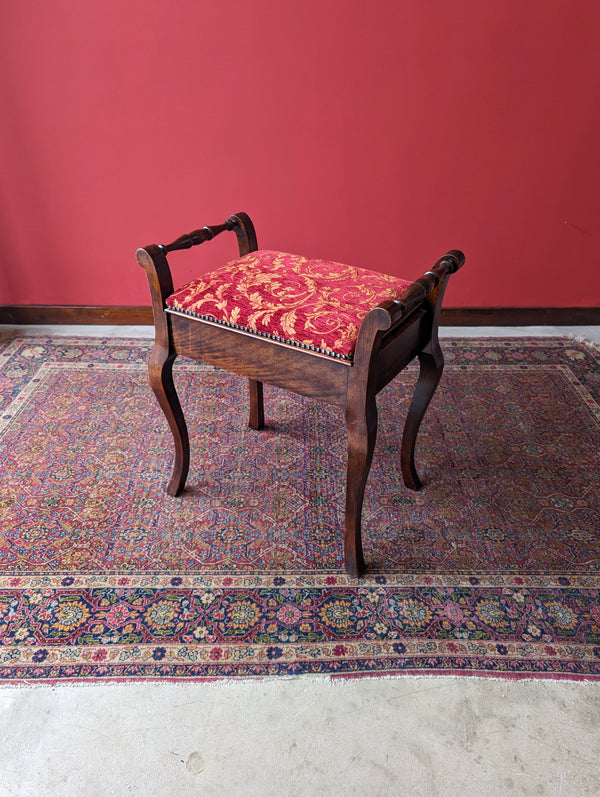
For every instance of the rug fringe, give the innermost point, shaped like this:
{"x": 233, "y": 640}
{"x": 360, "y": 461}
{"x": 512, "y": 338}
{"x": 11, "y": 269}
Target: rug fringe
{"x": 328, "y": 681}
{"x": 582, "y": 339}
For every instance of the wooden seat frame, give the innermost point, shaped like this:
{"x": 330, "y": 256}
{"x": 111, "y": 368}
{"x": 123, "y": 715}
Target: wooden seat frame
{"x": 391, "y": 336}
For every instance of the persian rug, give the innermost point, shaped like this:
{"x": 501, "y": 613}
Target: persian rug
{"x": 492, "y": 569}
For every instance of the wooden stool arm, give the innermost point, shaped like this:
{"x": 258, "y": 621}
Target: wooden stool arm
{"x": 197, "y": 237}
{"x": 240, "y": 223}
{"x": 387, "y": 324}
{"x": 153, "y": 258}
{"x": 421, "y": 289}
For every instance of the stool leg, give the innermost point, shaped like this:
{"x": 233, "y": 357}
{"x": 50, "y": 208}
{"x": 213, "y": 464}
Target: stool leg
{"x": 432, "y": 366}
{"x": 362, "y": 434}
{"x": 257, "y": 408}
{"x": 160, "y": 371}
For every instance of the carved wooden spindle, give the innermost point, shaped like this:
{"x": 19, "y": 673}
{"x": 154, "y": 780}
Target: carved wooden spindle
{"x": 240, "y": 223}
{"x": 197, "y": 237}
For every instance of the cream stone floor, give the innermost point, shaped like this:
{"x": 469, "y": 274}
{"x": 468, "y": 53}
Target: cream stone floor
{"x": 303, "y": 736}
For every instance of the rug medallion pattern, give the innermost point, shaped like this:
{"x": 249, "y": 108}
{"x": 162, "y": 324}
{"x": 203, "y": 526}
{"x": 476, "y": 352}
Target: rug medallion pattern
{"x": 492, "y": 569}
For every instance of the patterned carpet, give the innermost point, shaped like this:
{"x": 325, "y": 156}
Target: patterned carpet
{"x": 493, "y": 569}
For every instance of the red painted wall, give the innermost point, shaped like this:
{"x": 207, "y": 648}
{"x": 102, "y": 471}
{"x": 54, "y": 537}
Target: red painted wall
{"x": 379, "y": 133}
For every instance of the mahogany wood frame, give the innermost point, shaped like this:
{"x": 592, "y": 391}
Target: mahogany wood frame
{"x": 391, "y": 335}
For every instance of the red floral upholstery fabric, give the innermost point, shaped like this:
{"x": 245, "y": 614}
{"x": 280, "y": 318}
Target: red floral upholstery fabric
{"x": 313, "y": 304}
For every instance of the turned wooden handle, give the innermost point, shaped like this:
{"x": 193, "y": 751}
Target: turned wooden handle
{"x": 196, "y": 237}
{"x": 240, "y": 223}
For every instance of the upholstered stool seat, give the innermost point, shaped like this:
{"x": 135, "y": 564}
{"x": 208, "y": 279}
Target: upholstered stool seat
{"x": 313, "y": 304}
{"x": 322, "y": 329}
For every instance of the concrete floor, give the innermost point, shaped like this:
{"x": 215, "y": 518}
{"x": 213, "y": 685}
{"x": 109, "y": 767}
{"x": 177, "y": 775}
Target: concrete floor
{"x": 306, "y": 736}
{"x": 303, "y": 736}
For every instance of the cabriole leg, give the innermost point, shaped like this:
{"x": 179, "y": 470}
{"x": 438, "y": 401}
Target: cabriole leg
{"x": 160, "y": 370}
{"x": 432, "y": 366}
{"x": 362, "y": 433}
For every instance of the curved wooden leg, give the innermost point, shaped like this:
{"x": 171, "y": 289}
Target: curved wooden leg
{"x": 432, "y": 366}
{"x": 362, "y": 433}
{"x": 257, "y": 408}
{"x": 160, "y": 371}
